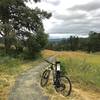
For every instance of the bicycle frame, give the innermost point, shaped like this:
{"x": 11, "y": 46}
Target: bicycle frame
{"x": 56, "y": 71}
{"x": 57, "y": 74}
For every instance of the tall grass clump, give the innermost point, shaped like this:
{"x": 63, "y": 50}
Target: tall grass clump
{"x": 84, "y": 71}
{"x": 9, "y": 65}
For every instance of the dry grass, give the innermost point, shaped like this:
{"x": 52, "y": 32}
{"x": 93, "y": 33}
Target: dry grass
{"x": 6, "y": 81}
{"x": 83, "y": 70}
{"x": 10, "y": 69}
{"x": 48, "y": 53}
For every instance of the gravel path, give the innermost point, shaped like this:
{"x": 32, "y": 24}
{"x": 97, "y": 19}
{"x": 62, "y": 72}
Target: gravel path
{"x": 27, "y": 85}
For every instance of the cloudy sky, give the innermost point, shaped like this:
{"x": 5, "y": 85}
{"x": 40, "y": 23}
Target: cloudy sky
{"x": 70, "y": 17}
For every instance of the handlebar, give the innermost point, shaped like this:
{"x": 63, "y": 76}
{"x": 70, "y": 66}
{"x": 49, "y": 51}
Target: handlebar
{"x": 48, "y": 62}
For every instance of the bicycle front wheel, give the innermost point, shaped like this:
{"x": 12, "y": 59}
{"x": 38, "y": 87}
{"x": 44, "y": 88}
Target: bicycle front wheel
{"x": 65, "y": 86}
{"x": 45, "y": 77}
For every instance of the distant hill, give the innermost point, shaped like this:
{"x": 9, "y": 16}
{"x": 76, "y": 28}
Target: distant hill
{"x": 55, "y": 40}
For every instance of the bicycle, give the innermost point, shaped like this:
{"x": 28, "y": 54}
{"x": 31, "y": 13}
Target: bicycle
{"x": 62, "y": 83}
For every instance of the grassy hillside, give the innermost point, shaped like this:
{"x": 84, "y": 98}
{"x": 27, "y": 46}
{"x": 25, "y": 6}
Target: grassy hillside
{"x": 82, "y": 68}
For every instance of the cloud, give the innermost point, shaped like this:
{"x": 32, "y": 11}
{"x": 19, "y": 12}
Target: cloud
{"x": 95, "y": 13}
{"x": 78, "y": 19}
{"x": 94, "y": 5}
{"x": 53, "y": 2}
{"x": 76, "y": 27}
{"x": 81, "y": 25}
{"x": 71, "y": 16}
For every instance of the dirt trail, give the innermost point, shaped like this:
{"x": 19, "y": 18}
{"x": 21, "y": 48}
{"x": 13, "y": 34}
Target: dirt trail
{"x": 27, "y": 87}
{"x": 77, "y": 94}
{"x": 87, "y": 94}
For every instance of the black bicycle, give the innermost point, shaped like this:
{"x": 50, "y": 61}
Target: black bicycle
{"x": 61, "y": 82}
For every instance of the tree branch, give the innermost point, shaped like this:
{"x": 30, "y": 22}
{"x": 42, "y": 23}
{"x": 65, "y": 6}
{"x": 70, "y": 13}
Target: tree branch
{"x": 1, "y": 34}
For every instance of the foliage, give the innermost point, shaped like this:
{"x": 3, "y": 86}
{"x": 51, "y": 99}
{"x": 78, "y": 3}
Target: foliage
{"x": 94, "y": 42}
{"x": 18, "y": 22}
{"x": 89, "y": 44}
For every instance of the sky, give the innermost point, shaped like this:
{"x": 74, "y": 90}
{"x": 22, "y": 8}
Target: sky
{"x": 70, "y": 17}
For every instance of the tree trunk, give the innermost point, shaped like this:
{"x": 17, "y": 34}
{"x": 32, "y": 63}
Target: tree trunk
{"x": 7, "y": 44}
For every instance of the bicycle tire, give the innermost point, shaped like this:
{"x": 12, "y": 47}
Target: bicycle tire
{"x": 66, "y": 86}
{"x": 45, "y": 78}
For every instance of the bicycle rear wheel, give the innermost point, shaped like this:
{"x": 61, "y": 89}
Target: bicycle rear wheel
{"x": 65, "y": 86}
{"x": 45, "y": 77}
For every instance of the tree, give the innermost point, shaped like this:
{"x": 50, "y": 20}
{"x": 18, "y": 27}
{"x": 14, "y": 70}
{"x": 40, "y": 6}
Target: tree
{"x": 17, "y": 20}
{"x": 94, "y": 42}
{"x": 73, "y": 43}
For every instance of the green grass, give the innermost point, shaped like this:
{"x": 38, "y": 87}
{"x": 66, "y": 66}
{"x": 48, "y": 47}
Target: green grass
{"x": 83, "y": 70}
{"x": 9, "y": 65}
